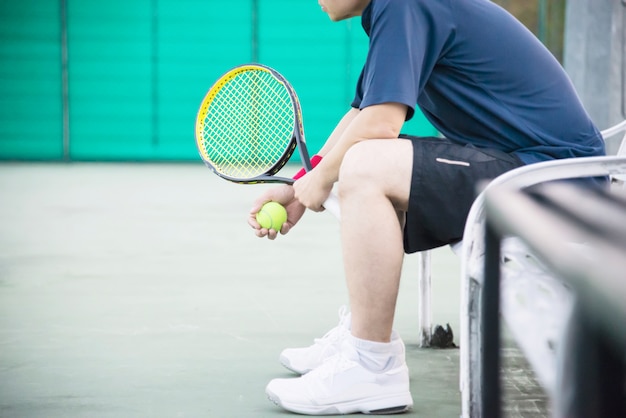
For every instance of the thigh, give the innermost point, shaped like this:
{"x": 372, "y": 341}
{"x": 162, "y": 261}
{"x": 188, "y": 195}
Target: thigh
{"x": 443, "y": 187}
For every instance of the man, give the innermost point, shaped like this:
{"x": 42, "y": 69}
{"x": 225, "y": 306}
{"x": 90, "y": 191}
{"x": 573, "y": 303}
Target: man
{"x": 500, "y": 100}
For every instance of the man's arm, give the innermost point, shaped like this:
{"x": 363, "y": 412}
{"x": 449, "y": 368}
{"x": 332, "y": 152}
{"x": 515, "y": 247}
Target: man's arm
{"x": 382, "y": 121}
{"x": 341, "y": 127}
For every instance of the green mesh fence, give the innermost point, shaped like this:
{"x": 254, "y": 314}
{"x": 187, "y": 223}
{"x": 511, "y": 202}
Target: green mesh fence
{"x": 86, "y": 80}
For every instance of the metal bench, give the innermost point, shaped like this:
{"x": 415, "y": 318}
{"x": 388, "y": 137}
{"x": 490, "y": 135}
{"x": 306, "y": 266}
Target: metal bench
{"x": 580, "y": 235}
{"x": 520, "y": 264}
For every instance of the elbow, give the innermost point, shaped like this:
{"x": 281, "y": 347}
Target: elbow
{"x": 388, "y": 131}
{"x": 383, "y": 121}
{"x": 382, "y": 130}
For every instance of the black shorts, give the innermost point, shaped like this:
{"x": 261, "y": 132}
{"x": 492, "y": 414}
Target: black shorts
{"x": 443, "y": 188}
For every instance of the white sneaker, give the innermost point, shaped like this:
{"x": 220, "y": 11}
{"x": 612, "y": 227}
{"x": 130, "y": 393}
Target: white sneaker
{"x": 303, "y": 360}
{"x": 343, "y": 386}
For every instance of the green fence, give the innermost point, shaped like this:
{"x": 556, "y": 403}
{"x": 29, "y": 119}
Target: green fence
{"x": 31, "y": 105}
{"x": 85, "y": 80}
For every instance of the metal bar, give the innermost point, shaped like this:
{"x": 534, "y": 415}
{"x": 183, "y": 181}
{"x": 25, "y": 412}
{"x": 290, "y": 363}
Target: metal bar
{"x": 424, "y": 296}
{"x": 547, "y": 233}
{"x": 490, "y": 306}
{"x": 545, "y": 220}
{"x": 610, "y": 382}
{"x": 593, "y": 383}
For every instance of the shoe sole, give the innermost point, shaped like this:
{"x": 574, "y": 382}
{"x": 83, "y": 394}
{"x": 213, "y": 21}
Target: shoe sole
{"x": 382, "y": 405}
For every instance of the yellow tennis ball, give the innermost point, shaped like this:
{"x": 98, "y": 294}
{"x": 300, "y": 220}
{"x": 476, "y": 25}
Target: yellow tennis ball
{"x": 272, "y": 216}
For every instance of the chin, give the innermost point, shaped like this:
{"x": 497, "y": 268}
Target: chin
{"x": 337, "y": 18}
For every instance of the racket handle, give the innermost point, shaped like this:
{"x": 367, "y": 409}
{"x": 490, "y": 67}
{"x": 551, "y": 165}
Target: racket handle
{"x": 332, "y": 205}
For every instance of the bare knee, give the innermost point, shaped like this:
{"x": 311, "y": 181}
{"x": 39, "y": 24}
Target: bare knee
{"x": 358, "y": 168}
{"x": 378, "y": 168}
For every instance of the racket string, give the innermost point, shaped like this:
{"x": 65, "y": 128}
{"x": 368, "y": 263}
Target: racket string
{"x": 248, "y": 125}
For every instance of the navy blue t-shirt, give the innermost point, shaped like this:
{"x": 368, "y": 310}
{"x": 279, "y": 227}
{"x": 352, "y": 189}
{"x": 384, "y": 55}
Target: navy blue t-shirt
{"x": 477, "y": 74}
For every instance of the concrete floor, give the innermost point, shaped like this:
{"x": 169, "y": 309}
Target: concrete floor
{"x": 140, "y": 291}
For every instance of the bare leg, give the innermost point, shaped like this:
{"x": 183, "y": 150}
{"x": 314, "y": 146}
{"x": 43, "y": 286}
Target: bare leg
{"x": 374, "y": 185}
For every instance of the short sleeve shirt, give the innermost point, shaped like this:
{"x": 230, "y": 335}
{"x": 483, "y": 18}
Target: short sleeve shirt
{"x": 477, "y": 74}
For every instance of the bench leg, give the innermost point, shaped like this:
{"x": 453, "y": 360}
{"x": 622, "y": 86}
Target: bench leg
{"x": 424, "y": 281}
{"x": 470, "y": 353}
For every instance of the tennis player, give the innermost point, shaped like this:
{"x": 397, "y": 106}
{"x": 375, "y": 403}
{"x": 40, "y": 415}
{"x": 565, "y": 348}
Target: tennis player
{"x": 499, "y": 99}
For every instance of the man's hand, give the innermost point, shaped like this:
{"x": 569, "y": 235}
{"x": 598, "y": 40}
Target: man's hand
{"x": 313, "y": 189}
{"x": 285, "y": 196}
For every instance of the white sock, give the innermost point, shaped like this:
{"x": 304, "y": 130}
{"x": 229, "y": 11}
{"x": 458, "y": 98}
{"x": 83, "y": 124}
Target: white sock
{"x": 377, "y": 356}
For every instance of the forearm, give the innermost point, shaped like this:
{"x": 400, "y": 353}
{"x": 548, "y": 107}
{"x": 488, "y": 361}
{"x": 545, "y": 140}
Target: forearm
{"x": 374, "y": 122}
{"x": 341, "y": 127}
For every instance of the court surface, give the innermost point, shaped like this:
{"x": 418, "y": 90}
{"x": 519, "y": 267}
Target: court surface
{"x": 139, "y": 290}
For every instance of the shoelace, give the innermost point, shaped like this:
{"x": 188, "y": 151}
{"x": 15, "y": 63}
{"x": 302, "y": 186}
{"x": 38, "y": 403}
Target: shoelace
{"x": 334, "y": 365}
{"x": 336, "y": 334}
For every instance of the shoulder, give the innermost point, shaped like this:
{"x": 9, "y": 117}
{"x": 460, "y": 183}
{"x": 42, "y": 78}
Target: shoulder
{"x": 425, "y": 24}
{"x": 379, "y": 7}
{"x": 411, "y": 14}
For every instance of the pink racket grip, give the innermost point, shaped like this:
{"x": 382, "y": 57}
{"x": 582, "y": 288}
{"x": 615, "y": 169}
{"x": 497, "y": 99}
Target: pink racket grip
{"x": 332, "y": 205}
{"x": 315, "y": 160}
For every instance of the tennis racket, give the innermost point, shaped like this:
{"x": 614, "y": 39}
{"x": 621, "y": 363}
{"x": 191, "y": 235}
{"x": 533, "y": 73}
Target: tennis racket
{"x": 249, "y": 125}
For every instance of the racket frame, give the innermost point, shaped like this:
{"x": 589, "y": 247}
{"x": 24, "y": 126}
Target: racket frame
{"x": 297, "y": 140}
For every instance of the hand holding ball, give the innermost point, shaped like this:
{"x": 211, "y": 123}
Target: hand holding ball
{"x": 272, "y": 216}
